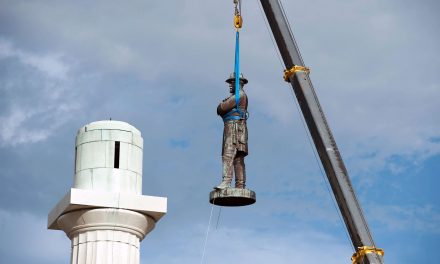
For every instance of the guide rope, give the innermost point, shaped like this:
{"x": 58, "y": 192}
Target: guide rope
{"x": 218, "y": 217}
{"x": 207, "y": 233}
{"x": 238, "y": 23}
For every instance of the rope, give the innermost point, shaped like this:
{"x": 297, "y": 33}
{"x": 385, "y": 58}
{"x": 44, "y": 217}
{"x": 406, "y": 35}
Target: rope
{"x": 237, "y": 23}
{"x": 218, "y": 217}
{"x": 207, "y": 232}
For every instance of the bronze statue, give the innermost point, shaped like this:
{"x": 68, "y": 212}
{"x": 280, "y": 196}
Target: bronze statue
{"x": 235, "y": 135}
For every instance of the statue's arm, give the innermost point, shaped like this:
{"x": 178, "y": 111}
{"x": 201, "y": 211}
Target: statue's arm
{"x": 227, "y": 105}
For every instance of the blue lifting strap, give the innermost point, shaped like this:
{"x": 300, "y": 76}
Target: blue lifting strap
{"x": 241, "y": 114}
{"x": 237, "y": 69}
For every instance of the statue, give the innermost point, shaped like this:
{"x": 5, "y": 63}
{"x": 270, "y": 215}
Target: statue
{"x": 235, "y": 135}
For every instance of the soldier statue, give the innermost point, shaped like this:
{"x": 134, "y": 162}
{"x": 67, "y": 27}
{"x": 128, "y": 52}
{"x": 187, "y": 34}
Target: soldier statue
{"x": 235, "y": 135}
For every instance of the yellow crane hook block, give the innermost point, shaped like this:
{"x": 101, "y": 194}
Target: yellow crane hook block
{"x": 238, "y": 21}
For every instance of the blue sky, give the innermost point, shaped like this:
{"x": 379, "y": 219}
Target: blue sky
{"x": 161, "y": 66}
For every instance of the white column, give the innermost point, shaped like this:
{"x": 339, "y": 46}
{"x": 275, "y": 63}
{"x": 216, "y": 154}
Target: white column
{"x": 105, "y": 214}
{"x": 105, "y": 236}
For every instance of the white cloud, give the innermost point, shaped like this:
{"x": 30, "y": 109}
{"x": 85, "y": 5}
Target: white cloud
{"x": 18, "y": 124}
{"x": 373, "y": 69}
{"x": 51, "y": 65}
{"x": 11, "y": 132}
{"x": 399, "y": 218}
{"x": 377, "y": 105}
{"x": 36, "y": 94}
{"x": 235, "y": 245}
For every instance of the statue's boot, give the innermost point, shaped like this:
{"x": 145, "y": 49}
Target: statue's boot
{"x": 227, "y": 173}
{"x": 240, "y": 172}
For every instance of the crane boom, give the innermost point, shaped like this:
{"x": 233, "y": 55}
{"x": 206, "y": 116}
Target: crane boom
{"x": 366, "y": 252}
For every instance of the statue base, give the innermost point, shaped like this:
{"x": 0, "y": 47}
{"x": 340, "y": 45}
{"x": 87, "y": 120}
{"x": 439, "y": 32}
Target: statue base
{"x": 232, "y": 197}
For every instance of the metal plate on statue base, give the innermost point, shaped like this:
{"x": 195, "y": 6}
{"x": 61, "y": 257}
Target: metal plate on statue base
{"x": 232, "y": 197}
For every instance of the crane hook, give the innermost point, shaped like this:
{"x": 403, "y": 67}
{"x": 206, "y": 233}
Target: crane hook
{"x": 238, "y": 20}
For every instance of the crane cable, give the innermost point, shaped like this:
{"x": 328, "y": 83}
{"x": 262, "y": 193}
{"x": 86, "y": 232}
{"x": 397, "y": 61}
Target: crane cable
{"x": 287, "y": 74}
{"x": 238, "y": 23}
{"x": 307, "y": 133}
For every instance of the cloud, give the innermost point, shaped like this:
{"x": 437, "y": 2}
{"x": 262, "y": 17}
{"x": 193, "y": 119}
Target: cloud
{"x": 234, "y": 245}
{"x": 13, "y": 133}
{"x": 51, "y": 65}
{"x": 376, "y": 107}
{"x": 25, "y": 237}
{"x": 35, "y": 90}
{"x": 398, "y": 218}
{"x": 27, "y": 231}
{"x": 161, "y": 66}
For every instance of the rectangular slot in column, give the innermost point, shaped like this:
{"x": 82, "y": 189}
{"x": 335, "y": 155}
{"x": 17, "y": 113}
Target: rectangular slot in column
{"x": 76, "y": 154}
{"x": 117, "y": 151}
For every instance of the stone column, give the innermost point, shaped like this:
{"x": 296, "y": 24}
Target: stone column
{"x": 105, "y": 214}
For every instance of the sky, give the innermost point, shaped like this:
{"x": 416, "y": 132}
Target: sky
{"x": 161, "y": 66}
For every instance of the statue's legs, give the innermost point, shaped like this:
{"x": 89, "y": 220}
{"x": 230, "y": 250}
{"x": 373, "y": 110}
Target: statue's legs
{"x": 240, "y": 171}
{"x": 227, "y": 160}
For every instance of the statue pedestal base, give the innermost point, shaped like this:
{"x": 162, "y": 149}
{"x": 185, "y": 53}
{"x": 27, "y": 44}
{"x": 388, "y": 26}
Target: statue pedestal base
{"x": 232, "y": 197}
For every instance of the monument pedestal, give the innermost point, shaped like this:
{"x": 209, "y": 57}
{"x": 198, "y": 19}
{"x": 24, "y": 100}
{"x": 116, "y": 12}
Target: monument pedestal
{"x": 105, "y": 235}
{"x": 232, "y": 197}
{"x": 105, "y": 214}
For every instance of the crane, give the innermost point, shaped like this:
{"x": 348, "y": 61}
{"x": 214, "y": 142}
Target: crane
{"x": 298, "y": 76}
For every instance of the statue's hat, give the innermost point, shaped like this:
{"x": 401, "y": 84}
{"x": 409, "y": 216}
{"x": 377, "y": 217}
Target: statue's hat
{"x": 231, "y": 78}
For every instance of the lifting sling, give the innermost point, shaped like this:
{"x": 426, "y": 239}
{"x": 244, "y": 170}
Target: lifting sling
{"x": 238, "y": 22}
